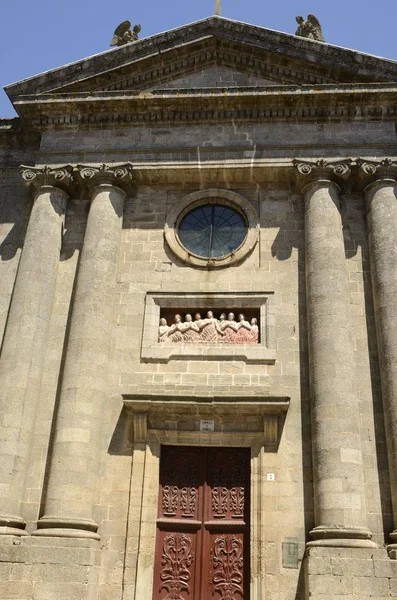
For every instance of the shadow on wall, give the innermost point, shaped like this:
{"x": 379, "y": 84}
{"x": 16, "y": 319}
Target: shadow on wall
{"x": 122, "y": 438}
{"x": 15, "y": 205}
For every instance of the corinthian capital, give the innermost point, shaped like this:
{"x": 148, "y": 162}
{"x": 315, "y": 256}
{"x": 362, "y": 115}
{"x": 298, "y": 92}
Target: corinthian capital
{"x": 310, "y": 171}
{"x": 373, "y": 170}
{"x": 60, "y": 177}
{"x": 116, "y": 175}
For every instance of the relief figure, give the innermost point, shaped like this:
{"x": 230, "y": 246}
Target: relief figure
{"x": 210, "y": 330}
{"x": 163, "y": 330}
{"x": 243, "y": 335}
{"x": 175, "y": 331}
{"x": 230, "y": 329}
{"x": 190, "y": 330}
{"x": 254, "y": 330}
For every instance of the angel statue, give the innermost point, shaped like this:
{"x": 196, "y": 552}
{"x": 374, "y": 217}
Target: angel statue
{"x": 124, "y": 35}
{"x": 309, "y": 29}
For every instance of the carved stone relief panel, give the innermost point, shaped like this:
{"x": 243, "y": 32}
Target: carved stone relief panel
{"x": 238, "y": 326}
{"x": 208, "y": 327}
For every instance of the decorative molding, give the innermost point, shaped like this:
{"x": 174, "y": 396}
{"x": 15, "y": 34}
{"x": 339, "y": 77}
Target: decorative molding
{"x": 177, "y": 558}
{"x": 227, "y": 567}
{"x": 309, "y": 172}
{"x": 59, "y": 177}
{"x": 115, "y": 175}
{"x": 140, "y": 427}
{"x": 227, "y": 57}
{"x": 180, "y": 115}
{"x": 373, "y": 171}
{"x": 180, "y": 419}
{"x": 270, "y": 429}
{"x": 307, "y": 103}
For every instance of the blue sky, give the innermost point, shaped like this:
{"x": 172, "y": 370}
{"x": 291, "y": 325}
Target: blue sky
{"x": 39, "y": 35}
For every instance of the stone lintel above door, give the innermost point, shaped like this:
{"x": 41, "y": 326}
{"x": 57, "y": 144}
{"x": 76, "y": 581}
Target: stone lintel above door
{"x": 180, "y": 421}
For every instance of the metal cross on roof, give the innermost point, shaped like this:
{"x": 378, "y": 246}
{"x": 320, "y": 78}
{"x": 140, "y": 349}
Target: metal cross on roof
{"x": 218, "y": 7}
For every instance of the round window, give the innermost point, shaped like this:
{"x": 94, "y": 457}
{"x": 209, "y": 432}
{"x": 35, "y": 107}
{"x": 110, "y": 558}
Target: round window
{"x": 212, "y": 230}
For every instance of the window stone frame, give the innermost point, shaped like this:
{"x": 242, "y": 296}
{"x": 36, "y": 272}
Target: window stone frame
{"x": 212, "y": 196}
{"x": 262, "y": 353}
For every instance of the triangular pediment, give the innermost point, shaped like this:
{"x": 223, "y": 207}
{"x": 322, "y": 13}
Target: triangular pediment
{"x": 214, "y": 76}
{"x": 207, "y": 54}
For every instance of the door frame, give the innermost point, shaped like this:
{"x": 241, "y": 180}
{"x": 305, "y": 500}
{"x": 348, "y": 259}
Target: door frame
{"x": 254, "y": 423}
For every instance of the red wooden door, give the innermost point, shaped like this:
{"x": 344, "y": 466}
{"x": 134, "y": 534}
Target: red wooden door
{"x": 202, "y": 546}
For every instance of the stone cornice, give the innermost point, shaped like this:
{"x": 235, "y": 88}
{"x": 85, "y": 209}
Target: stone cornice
{"x": 59, "y": 177}
{"x": 340, "y": 63}
{"x": 374, "y": 102}
{"x": 154, "y": 71}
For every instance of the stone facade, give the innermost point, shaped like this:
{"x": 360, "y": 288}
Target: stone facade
{"x": 105, "y": 156}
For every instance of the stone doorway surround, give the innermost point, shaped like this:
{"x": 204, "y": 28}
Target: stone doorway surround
{"x": 250, "y": 422}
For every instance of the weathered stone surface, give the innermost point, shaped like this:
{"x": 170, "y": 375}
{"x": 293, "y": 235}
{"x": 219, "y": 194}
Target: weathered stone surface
{"x": 91, "y": 464}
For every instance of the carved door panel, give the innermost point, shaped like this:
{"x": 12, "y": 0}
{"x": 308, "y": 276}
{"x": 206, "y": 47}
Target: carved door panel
{"x": 202, "y": 547}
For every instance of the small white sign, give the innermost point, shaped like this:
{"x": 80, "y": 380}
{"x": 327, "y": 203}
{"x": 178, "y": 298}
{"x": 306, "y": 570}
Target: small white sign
{"x": 207, "y": 425}
{"x": 271, "y": 476}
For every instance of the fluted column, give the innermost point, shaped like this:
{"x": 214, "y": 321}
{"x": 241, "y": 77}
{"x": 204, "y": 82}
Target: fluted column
{"x": 25, "y": 340}
{"x": 340, "y": 512}
{"x": 380, "y": 179}
{"x": 74, "y": 466}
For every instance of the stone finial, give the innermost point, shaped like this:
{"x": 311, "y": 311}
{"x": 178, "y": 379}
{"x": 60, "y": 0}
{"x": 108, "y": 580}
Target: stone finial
{"x": 310, "y": 29}
{"x": 310, "y": 171}
{"x": 385, "y": 168}
{"x": 117, "y": 175}
{"x": 123, "y": 34}
{"x": 60, "y": 177}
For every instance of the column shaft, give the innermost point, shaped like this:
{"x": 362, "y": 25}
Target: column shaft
{"x": 340, "y": 512}
{"x": 382, "y": 225}
{"x": 72, "y": 484}
{"x": 25, "y": 342}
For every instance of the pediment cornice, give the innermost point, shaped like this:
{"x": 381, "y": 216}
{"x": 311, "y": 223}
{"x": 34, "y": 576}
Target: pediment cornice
{"x": 281, "y": 57}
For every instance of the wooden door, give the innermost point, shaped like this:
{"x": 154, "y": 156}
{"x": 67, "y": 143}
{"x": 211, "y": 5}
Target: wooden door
{"x": 202, "y": 546}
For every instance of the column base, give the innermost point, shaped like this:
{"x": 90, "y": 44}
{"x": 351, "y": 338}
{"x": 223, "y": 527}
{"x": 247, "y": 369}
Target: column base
{"x": 392, "y": 548}
{"x": 11, "y": 525}
{"x": 341, "y": 537}
{"x": 68, "y": 528}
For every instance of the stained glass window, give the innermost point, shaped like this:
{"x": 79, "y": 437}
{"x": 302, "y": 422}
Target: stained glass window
{"x": 212, "y": 230}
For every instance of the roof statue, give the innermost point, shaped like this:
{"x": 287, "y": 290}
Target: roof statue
{"x": 309, "y": 29}
{"x": 123, "y": 34}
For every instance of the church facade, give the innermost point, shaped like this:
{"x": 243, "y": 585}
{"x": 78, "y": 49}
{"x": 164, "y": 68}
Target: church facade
{"x": 198, "y": 369}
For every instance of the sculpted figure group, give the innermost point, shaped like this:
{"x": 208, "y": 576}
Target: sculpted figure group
{"x": 210, "y": 330}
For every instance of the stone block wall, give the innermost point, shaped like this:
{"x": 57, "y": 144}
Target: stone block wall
{"x": 91, "y": 570}
{"x": 337, "y": 573}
